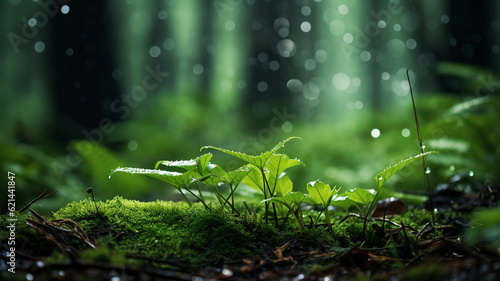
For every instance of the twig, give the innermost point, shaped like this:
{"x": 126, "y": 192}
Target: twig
{"x": 41, "y": 196}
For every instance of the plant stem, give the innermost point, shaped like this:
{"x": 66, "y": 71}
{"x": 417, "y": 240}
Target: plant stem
{"x": 327, "y": 216}
{"x": 265, "y": 195}
{"x": 424, "y": 163}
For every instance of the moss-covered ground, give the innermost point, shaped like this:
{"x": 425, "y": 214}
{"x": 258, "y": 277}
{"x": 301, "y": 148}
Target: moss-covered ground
{"x": 173, "y": 241}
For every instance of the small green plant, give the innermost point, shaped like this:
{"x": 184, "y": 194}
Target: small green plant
{"x": 267, "y": 171}
{"x": 321, "y": 194}
{"x": 266, "y": 174}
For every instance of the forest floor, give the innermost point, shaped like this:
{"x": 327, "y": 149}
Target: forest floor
{"x": 130, "y": 240}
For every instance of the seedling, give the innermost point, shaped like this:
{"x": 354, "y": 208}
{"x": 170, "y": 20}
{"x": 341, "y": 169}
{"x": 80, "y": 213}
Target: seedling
{"x": 321, "y": 194}
{"x": 91, "y": 191}
{"x": 266, "y": 172}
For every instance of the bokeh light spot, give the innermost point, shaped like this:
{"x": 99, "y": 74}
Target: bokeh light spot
{"x": 341, "y": 81}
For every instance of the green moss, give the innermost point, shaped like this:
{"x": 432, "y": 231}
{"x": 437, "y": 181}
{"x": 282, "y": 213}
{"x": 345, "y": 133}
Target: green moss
{"x": 168, "y": 230}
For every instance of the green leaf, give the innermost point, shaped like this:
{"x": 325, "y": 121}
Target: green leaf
{"x": 211, "y": 175}
{"x": 343, "y": 202}
{"x": 175, "y": 179}
{"x": 236, "y": 176}
{"x": 258, "y": 161}
{"x": 277, "y": 164}
{"x": 464, "y": 107}
{"x": 199, "y": 162}
{"x": 388, "y": 172}
{"x": 360, "y": 195}
{"x": 254, "y": 179}
{"x": 321, "y": 193}
{"x": 203, "y": 161}
{"x": 284, "y": 186}
{"x": 290, "y": 199}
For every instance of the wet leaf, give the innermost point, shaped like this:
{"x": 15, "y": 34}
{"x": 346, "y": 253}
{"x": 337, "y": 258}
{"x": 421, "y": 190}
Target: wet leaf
{"x": 320, "y": 193}
{"x": 258, "y": 161}
{"x": 388, "y": 172}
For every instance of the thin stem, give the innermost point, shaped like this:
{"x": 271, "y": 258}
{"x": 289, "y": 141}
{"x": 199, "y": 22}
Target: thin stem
{"x": 327, "y": 216}
{"x": 419, "y": 134}
{"x": 185, "y": 197}
{"x": 266, "y": 204}
{"x": 271, "y": 195}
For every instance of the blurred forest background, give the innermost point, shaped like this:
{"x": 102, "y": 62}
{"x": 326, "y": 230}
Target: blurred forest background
{"x": 87, "y": 86}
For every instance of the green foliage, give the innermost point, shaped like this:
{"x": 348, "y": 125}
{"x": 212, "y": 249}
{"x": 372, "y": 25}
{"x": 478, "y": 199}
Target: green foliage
{"x": 321, "y": 194}
{"x": 264, "y": 173}
{"x": 388, "y": 172}
{"x": 485, "y": 228}
{"x": 292, "y": 201}
{"x": 258, "y": 161}
{"x": 357, "y": 197}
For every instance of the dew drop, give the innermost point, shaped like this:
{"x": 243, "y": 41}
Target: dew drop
{"x": 427, "y": 170}
{"x": 471, "y": 173}
{"x": 380, "y": 178}
{"x": 452, "y": 168}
